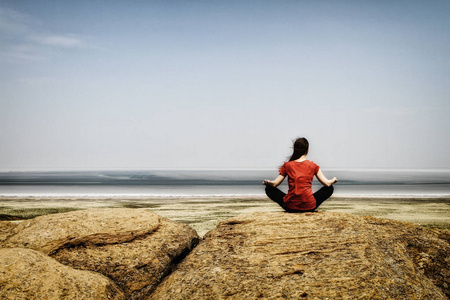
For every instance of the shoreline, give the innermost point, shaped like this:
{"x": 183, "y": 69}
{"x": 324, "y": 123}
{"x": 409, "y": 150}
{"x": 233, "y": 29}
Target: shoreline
{"x": 205, "y": 212}
{"x": 200, "y": 196}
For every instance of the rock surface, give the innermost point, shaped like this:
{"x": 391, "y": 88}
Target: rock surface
{"x": 313, "y": 256}
{"x": 133, "y": 247}
{"x": 29, "y": 274}
{"x": 6, "y": 229}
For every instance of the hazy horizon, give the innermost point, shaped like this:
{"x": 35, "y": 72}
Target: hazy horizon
{"x": 201, "y": 183}
{"x": 274, "y": 169}
{"x": 113, "y": 85}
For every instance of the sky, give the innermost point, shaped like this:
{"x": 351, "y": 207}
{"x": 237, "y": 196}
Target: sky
{"x": 88, "y": 85}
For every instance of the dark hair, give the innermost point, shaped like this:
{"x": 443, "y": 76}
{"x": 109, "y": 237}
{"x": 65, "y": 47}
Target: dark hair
{"x": 301, "y": 147}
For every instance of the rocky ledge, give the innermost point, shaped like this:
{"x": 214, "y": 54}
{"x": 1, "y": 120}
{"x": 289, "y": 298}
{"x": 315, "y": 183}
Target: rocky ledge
{"x": 132, "y": 247}
{"x": 260, "y": 255}
{"x": 314, "y": 256}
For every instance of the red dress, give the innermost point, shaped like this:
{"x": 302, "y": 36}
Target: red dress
{"x": 300, "y": 177}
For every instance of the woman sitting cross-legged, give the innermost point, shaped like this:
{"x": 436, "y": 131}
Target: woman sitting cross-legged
{"x": 300, "y": 173}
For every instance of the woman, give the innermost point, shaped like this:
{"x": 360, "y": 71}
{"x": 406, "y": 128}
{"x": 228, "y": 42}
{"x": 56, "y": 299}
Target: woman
{"x": 300, "y": 172}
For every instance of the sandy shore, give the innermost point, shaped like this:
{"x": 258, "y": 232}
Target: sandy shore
{"x": 205, "y": 213}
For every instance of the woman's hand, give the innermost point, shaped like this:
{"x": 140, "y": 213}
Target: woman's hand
{"x": 275, "y": 182}
{"x": 267, "y": 182}
{"x": 334, "y": 180}
{"x": 324, "y": 180}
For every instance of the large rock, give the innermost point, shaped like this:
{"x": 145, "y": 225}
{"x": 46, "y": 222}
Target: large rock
{"x": 29, "y": 274}
{"x": 133, "y": 247}
{"x": 314, "y": 256}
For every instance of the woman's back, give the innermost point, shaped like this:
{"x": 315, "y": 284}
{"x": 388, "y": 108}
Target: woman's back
{"x": 300, "y": 176}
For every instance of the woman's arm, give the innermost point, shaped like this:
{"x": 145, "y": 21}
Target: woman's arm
{"x": 324, "y": 180}
{"x": 275, "y": 182}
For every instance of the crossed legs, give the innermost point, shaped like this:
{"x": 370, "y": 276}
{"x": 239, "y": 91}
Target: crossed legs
{"x": 277, "y": 196}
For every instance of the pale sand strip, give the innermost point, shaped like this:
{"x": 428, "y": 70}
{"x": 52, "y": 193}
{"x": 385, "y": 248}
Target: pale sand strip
{"x": 205, "y": 213}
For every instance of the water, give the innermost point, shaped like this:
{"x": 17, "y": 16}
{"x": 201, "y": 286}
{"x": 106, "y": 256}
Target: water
{"x": 211, "y": 183}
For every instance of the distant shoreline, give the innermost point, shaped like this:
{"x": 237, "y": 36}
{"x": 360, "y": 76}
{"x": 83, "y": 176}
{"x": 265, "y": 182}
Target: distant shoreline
{"x": 203, "y": 213}
{"x": 243, "y": 196}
